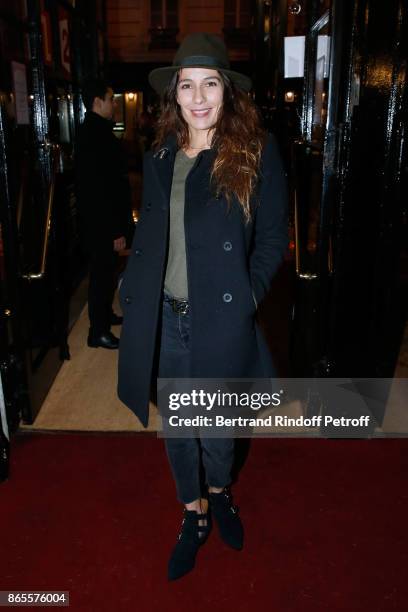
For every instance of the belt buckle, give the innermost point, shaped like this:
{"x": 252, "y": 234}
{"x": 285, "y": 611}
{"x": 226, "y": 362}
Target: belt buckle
{"x": 183, "y": 308}
{"x": 179, "y": 306}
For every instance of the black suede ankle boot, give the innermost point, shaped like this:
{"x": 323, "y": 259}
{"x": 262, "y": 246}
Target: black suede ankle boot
{"x": 191, "y": 537}
{"x": 227, "y": 519}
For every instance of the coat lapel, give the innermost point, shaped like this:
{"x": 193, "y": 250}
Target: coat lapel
{"x": 163, "y": 165}
{"x": 198, "y": 188}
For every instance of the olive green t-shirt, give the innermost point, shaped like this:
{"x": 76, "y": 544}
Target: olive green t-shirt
{"x": 175, "y": 282}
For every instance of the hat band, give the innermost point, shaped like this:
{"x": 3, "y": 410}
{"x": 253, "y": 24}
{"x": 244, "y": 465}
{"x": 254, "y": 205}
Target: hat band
{"x": 202, "y": 60}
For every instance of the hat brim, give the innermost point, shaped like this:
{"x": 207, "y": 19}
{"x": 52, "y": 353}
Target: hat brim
{"x": 159, "y": 78}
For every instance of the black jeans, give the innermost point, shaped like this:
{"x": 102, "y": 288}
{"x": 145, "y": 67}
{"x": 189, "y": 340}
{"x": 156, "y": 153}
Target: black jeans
{"x": 101, "y": 290}
{"x": 187, "y": 456}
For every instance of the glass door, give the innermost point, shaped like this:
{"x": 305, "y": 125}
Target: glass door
{"x": 313, "y": 168}
{"x": 310, "y": 150}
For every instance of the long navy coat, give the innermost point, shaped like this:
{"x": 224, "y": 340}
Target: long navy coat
{"x": 229, "y": 267}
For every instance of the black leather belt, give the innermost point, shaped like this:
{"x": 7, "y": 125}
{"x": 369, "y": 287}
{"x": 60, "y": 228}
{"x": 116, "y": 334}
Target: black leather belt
{"x": 179, "y": 306}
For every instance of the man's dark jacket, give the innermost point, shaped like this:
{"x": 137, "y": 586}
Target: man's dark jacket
{"x": 103, "y": 192}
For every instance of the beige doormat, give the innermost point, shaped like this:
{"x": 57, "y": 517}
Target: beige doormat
{"x": 83, "y": 396}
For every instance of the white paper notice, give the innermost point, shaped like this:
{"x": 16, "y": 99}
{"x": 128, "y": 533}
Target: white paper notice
{"x": 294, "y": 56}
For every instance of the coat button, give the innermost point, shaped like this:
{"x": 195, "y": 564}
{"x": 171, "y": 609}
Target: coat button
{"x": 227, "y": 246}
{"x": 148, "y": 206}
{"x": 128, "y": 299}
{"x": 138, "y": 252}
{"x": 227, "y": 297}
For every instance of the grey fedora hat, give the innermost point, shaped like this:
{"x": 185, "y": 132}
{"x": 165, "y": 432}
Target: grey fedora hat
{"x": 199, "y": 50}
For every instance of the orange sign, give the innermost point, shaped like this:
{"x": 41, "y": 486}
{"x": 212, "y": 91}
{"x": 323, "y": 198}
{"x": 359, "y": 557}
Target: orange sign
{"x": 63, "y": 20}
{"x": 46, "y": 37}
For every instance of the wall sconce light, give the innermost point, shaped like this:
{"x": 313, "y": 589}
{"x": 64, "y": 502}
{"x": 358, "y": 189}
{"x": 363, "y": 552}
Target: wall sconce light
{"x": 131, "y": 96}
{"x": 289, "y": 96}
{"x": 267, "y": 25}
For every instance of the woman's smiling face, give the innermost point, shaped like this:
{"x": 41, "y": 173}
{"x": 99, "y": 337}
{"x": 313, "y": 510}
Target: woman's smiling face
{"x": 199, "y": 95}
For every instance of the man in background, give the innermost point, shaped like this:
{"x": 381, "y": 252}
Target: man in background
{"x": 104, "y": 205}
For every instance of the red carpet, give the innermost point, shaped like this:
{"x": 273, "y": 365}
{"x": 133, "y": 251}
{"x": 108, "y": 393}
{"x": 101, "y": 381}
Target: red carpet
{"x": 326, "y": 527}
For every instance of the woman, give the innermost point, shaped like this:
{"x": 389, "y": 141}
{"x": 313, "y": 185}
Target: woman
{"x": 211, "y": 235}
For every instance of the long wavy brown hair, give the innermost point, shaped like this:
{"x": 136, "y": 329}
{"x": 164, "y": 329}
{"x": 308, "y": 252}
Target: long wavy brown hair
{"x": 238, "y": 139}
